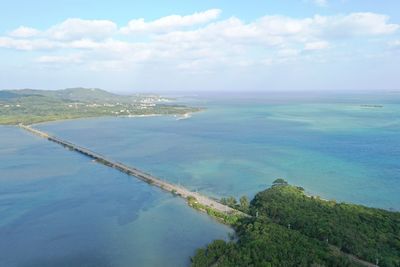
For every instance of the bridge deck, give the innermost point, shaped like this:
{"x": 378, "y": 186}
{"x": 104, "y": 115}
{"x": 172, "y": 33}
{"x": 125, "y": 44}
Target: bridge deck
{"x": 148, "y": 178}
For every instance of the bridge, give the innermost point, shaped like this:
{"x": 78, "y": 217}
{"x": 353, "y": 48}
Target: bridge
{"x": 148, "y": 178}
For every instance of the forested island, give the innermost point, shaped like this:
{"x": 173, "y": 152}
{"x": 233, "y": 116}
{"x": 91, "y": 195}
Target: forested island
{"x": 29, "y": 106}
{"x": 290, "y": 228}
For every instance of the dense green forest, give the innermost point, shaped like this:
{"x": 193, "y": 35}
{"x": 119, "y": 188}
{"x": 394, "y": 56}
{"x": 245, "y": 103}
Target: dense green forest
{"x": 263, "y": 243}
{"x": 289, "y": 228}
{"x": 32, "y": 106}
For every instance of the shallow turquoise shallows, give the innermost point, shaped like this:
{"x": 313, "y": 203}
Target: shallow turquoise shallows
{"x": 343, "y": 147}
{"x": 58, "y": 206}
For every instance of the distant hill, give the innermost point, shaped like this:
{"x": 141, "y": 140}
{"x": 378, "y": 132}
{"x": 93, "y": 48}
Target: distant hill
{"x": 93, "y": 95}
{"x": 88, "y": 94}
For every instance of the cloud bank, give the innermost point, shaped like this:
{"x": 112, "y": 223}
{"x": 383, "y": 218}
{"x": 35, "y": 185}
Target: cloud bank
{"x": 200, "y": 41}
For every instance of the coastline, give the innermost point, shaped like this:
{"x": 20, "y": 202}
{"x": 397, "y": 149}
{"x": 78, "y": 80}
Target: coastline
{"x": 185, "y": 116}
{"x": 178, "y": 116}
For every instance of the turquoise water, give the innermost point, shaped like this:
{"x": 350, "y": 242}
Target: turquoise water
{"x": 331, "y": 144}
{"x": 59, "y": 207}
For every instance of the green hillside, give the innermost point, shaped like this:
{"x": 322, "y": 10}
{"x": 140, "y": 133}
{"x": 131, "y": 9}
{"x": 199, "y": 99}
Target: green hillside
{"x": 289, "y": 228}
{"x": 92, "y": 95}
{"x": 368, "y": 233}
{"x": 32, "y": 106}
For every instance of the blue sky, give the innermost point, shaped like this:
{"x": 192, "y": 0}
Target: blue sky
{"x": 130, "y": 46}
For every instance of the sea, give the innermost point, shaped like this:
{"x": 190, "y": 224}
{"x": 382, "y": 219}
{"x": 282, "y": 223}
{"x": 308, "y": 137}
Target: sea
{"x": 59, "y": 208}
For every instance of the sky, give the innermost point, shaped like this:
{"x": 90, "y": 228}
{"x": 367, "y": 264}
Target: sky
{"x": 156, "y": 46}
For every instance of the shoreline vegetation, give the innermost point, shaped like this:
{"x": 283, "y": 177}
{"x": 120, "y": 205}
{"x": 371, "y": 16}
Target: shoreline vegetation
{"x": 28, "y": 106}
{"x": 287, "y": 227}
{"x": 224, "y": 217}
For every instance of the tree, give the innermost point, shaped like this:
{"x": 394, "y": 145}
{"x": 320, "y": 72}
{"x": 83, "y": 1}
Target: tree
{"x": 280, "y": 181}
{"x": 244, "y": 204}
{"x": 230, "y": 201}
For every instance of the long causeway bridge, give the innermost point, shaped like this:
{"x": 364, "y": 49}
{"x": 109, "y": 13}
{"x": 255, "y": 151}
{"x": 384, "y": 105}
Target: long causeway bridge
{"x": 148, "y": 178}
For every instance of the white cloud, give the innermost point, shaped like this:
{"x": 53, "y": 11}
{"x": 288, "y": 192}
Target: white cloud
{"x": 228, "y": 42}
{"x": 170, "y": 22}
{"x": 27, "y": 44}
{"x": 281, "y": 30}
{"x": 395, "y": 43}
{"x": 288, "y": 53}
{"x": 73, "y": 58}
{"x": 319, "y": 45}
{"x": 331, "y": 27}
{"x": 75, "y": 29}
{"x": 84, "y": 44}
{"x": 354, "y": 25}
{"x": 24, "y": 32}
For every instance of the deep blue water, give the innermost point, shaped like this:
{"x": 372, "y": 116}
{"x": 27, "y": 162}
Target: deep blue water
{"x": 59, "y": 207}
